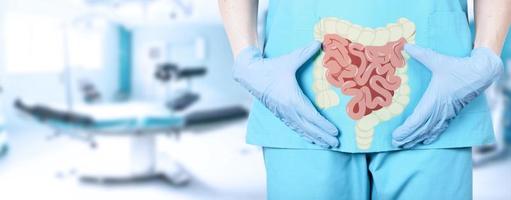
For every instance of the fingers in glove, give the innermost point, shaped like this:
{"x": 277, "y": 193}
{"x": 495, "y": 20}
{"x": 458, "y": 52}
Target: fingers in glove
{"x": 309, "y": 132}
{"x": 420, "y": 116}
{"x": 436, "y": 131}
{"x": 415, "y": 137}
{"x": 316, "y": 142}
{"x": 317, "y": 134}
{"x": 302, "y": 55}
{"x": 313, "y": 116}
{"x": 308, "y": 111}
{"x": 441, "y": 126}
{"x": 425, "y": 116}
{"x": 432, "y": 138}
{"x": 425, "y": 56}
{"x": 416, "y": 141}
{"x": 435, "y": 121}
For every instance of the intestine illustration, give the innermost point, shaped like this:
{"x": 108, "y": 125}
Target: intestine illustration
{"x": 369, "y": 66}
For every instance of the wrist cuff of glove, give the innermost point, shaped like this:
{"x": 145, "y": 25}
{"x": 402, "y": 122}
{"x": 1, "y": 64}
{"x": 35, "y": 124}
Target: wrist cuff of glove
{"x": 490, "y": 54}
{"x": 248, "y": 53}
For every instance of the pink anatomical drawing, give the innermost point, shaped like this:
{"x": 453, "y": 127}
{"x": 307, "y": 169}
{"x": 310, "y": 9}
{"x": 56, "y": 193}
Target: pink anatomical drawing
{"x": 368, "y": 66}
{"x": 367, "y": 73}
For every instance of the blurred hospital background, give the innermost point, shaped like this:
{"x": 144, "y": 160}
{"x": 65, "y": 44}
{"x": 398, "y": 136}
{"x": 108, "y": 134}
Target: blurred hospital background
{"x": 133, "y": 99}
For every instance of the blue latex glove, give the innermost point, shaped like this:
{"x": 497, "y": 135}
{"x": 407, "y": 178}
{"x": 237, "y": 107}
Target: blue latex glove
{"x": 455, "y": 82}
{"x": 273, "y": 82}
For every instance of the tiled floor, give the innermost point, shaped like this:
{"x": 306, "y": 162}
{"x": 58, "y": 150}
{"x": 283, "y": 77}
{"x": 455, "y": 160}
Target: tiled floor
{"x": 222, "y": 166}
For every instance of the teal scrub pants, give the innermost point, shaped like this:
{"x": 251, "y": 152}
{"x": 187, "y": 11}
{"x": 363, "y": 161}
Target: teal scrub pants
{"x": 413, "y": 174}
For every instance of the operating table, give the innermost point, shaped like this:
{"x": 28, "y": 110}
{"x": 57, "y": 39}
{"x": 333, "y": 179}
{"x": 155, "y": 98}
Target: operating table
{"x": 139, "y": 121}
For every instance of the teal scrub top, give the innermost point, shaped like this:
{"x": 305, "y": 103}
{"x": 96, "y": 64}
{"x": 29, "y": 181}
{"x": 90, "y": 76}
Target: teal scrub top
{"x": 441, "y": 25}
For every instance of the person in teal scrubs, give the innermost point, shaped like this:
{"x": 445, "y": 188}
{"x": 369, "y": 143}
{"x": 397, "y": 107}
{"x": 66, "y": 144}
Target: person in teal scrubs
{"x": 368, "y": 99}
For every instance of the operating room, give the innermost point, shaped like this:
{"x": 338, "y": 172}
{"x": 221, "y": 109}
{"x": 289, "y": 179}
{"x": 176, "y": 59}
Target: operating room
{"x": 135, "y": 99}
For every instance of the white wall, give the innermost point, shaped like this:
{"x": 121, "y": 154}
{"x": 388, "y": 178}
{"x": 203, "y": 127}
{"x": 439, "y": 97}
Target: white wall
{"x": 49, "y": 87}
{"x": 216, "y": 88}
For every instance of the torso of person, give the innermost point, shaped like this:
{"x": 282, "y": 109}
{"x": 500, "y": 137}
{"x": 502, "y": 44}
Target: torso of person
{"x": 362, "y": 80}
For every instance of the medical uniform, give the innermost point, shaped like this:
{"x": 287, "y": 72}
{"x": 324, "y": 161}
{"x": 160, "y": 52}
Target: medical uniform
{"x": 366, "y": 165}
{"x": 506, "y": 57}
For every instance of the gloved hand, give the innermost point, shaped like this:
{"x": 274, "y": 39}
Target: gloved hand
{"x": 273, "y": 82}
{"x": 455, "y": 82}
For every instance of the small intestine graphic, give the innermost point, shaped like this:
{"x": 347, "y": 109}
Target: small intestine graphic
{"x": 366, "y": 64}
{"x": 367, "y": 73}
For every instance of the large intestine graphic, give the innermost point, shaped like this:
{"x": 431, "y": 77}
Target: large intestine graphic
{"x": 364, "y": 72}
{"x": 366, "y": 64}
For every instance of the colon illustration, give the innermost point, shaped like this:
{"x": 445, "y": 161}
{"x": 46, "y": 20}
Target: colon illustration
{"x": 368, "y": 66}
